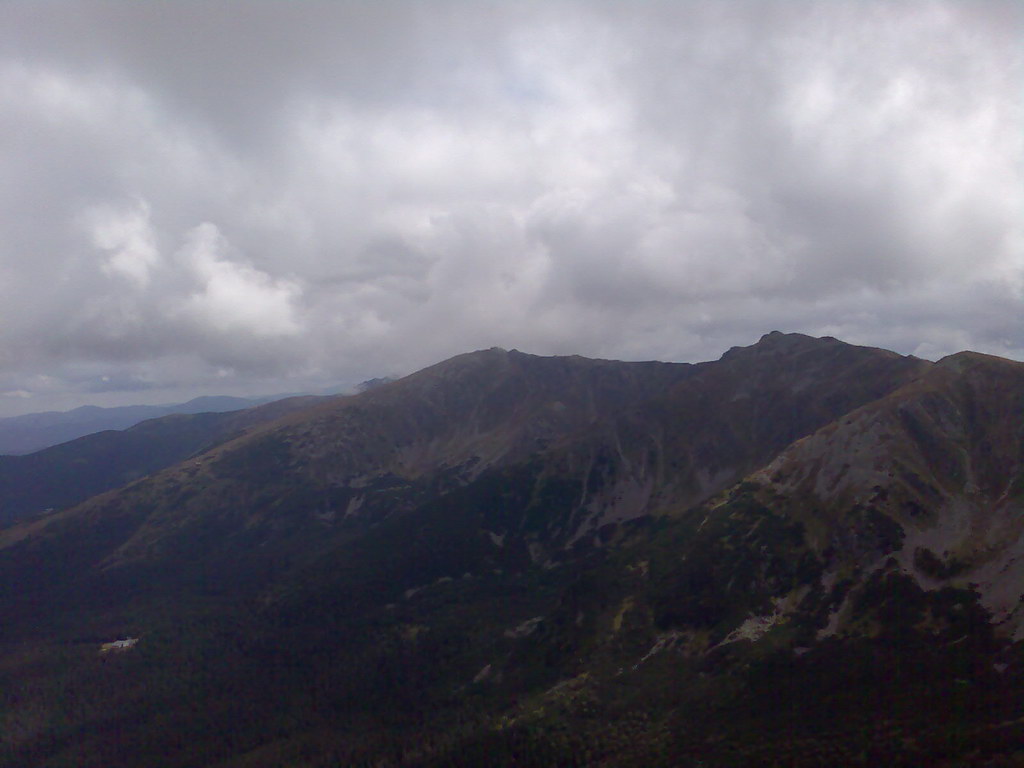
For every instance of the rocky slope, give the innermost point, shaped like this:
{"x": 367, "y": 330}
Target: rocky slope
{"x": 805, "y": 552}
{"x": 940, "y": 464}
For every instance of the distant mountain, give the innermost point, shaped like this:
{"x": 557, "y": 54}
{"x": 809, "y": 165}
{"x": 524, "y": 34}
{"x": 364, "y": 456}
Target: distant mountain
{"x": 34, "y": 431}
{"x": 805, "y": 553}
{"x": 67, "y": 474}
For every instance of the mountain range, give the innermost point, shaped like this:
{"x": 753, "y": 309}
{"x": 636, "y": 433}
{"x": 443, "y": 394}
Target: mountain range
{"x": 63, "y": 475}
{"x": 804, "y": 553}
{"x": 32, "y": 432}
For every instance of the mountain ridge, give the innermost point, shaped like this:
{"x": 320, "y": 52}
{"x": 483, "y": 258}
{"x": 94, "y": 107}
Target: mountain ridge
{"x": 546, "y": 560}
{"x": 31, "y": 432}
{"x": 66, "y": 474}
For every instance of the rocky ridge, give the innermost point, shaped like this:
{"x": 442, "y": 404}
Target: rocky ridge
{"x": 557, "y": 561}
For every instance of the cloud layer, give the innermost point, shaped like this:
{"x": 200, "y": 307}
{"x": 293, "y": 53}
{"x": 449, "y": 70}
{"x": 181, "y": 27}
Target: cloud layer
{"x": 250, "y": 198}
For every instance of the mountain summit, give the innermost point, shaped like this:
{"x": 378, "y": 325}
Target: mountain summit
{"x": 509, "y": 559}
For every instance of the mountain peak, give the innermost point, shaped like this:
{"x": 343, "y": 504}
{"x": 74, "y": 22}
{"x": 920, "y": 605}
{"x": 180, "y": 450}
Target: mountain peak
{"x": 961, "y": 361}
{"x": 777, "y": 342}
{"x": 778, "y": 338}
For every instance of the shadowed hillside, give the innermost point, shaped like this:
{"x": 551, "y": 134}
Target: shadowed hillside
{"x": 67, "y": 474}
{"x": 804, "y": 553}
{"x": 35, "y": 431}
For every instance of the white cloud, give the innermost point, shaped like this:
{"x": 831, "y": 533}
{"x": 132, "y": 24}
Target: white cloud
{"x": 128, "y": 237}
{"x": 232, "y": 297}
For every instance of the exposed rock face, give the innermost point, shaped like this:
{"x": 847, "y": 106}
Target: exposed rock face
{"x": 942, "y": 459}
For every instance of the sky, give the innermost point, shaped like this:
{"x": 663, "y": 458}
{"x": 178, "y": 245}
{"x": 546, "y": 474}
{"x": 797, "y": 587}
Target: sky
{"x": 249, "y": 198}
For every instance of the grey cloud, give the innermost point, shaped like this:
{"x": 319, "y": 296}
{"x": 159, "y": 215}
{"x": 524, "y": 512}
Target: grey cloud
{"x": 271, "y": 197}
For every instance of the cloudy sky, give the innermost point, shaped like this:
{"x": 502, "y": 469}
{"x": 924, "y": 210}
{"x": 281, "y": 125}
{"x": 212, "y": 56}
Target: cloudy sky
{"x": 243, "y": 198}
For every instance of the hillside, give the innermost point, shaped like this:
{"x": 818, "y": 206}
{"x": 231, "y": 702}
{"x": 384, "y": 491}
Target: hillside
{"x": 33, "y": 432}
{"x": 64, "y": 475}
{"x": 804, "y": 552}
{"x": 942, "y": 462}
